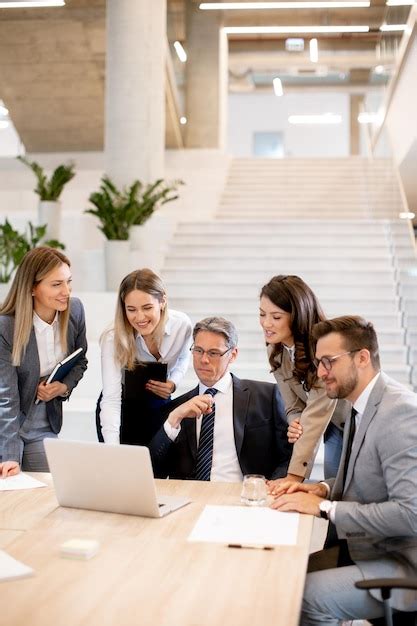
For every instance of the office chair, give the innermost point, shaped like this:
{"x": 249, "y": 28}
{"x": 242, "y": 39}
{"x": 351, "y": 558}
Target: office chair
{"x": 386, "y": 585}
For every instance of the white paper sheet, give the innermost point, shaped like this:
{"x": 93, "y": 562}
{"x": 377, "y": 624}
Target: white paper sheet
{"x": 10, "y": 568}
{"x": 20, "y": 481}
{"x": 246, "y": 526}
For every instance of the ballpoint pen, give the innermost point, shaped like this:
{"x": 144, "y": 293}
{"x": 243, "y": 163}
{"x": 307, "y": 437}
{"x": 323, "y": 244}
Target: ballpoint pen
{"x": 250, "y": 545}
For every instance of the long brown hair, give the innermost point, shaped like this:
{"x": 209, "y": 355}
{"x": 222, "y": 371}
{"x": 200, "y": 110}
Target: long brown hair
{"x": 294, "y": 296}
{"x": 124, "y": 334}
{"x": 35, "y": 265}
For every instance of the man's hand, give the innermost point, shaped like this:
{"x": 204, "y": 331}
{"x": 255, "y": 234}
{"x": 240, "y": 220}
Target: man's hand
{"x": 195, "y": 407}
{"x": 163, "y": 390}
{"x": 9, "y": 468}
{"x": 281, "y": 485}
{"x": 295, "y": 430}
{"x": 50, "y": 391}
{"x": 298, "y": 501}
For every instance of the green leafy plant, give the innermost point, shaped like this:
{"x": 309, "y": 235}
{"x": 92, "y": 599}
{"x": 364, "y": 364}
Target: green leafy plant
{"x": 50, "y": 189}
{"x": 14, "y": 245}
{"x": 154, "y": 194}
{"x": 119, "y": 209}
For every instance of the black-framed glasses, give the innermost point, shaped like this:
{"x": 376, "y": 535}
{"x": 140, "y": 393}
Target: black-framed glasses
{"x": 212, "y": 354}
{"x": 327, "y": 361}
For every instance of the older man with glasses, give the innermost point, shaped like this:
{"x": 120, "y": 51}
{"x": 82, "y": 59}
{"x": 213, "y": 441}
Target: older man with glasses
{"x": 225, "y": 427}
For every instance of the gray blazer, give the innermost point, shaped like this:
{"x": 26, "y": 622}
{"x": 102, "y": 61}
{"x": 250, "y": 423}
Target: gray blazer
{"x": 377, "y": 511}
{"x": 18, "y": 385}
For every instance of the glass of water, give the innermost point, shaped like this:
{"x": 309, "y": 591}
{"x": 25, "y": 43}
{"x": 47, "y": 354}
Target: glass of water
{"x": 253, "y": 490}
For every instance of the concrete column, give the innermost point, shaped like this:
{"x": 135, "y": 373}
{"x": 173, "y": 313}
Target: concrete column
{"x": 356, "y": 102}
{"x": 135, "y": 90}
{"x": 206, "y": 79}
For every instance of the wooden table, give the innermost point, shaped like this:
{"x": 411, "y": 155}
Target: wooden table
{"x": 146, "y": 573}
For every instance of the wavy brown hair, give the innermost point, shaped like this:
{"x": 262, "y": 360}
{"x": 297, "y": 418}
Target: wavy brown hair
{"x": 294, "y": 296}
{"x": 34, "y": 267}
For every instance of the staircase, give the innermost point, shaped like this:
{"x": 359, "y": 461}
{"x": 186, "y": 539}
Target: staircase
{"x": 337, "y": 188}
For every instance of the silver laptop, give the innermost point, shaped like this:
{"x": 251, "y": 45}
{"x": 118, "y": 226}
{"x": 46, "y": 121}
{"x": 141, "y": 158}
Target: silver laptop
{"x": 104, "y": 477}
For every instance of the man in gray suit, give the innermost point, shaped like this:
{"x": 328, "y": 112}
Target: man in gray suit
{"x": 372, "y": 502}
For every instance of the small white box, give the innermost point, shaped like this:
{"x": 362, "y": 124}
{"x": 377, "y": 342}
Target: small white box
{"x": 79, "y": 548}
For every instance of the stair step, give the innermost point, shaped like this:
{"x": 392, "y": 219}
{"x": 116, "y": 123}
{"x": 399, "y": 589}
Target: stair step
{"x": 274, "y": 265}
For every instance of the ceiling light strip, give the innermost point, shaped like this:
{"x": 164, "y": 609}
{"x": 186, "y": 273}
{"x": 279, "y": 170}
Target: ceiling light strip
{"x": 325, "y": 118}
{"x": 181, "y": 53}
{"x": 392, "y": 28}
{"x": 314, "y": 50}
{"x": 34, "y": 4}
{"x": 272, "y": 30}
{"x": 314, "y": 4}
{"x": 278, "y": 90}
{"x": 400, "y": 3}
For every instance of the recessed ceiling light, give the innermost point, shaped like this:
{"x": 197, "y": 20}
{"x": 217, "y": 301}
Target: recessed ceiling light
{"x": 31, "y": 4}
{"x": 324, "y": 118}
{"x": 325, "y": 4}
{"x": 183, "y": 119}
{"x": 181, "y": 53}
{"x": 272, "y": 30}
{"x": 314, "y": 50}
{"x": 278, "y": 87}
{"x": 393, "y": 28}
{"x": 407, "y": 215}
{"x": 379, "y": 69}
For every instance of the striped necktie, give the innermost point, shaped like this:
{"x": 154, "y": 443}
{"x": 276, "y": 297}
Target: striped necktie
{"x": 205, "y": 445}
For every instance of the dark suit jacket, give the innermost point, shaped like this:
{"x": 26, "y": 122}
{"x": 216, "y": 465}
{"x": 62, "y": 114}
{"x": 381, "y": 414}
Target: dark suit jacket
{"x": 18, "y": 385}
{"x": 260, "y": 429}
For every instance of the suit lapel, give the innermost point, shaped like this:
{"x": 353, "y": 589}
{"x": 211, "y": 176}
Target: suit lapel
{"x": 367, "y": 417}
{"x": 240, "y": 411}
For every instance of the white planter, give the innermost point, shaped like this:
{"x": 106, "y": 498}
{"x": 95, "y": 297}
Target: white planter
{"x": 137, "y": 237}
{"x": 4, "y": 290}
{"x": 49, "y": 213}
{"x": 117, "y": 259}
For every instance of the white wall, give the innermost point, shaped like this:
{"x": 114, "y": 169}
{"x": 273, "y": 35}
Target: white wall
{"x": 249, "y": 113}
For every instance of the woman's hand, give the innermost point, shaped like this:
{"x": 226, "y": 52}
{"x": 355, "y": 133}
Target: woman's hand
{"x": 281, "y": 485}
{"x": 163, "y": 390}
{"x": 295, "y": 430}
{"x": 50, "y": 391}
{"x": 9, "y": 468}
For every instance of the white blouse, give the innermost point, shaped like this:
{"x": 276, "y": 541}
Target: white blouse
{"x": 174, "y": 350}
{"x": 48, "y": 342}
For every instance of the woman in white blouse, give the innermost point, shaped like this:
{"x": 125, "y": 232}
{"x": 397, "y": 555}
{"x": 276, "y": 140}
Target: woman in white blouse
{"x": 39, "y": 325}
{"x": 144, "y": 330}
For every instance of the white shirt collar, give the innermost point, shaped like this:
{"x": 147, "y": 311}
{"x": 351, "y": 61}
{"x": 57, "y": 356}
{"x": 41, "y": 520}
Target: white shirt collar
{"x": 223, "y": 385}
{"x": 40, "y": 325}
{"x": 362, "y": 401}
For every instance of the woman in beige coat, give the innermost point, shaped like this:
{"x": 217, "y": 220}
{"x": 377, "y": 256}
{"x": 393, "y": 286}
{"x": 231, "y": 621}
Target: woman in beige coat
{"x": 288, "y": 311}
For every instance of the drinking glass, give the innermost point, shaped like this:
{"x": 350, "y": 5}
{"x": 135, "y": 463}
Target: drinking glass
{"x": 253, "y": 490}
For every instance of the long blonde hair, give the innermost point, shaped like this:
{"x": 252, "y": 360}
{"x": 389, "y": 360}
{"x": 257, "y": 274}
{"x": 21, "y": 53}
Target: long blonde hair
{"x": 124, "y": 334}
{"x": 35, "y": 265}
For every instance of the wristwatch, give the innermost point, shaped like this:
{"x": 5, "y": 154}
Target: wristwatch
{"x": 325, "y": 507}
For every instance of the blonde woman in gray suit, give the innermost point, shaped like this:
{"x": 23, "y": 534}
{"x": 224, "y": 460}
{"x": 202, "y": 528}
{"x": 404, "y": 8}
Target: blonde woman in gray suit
{"x": 288, "y": 311}
{"x": 39, "y": 325}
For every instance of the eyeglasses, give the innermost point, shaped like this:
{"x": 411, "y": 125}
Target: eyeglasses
{"x": 212, "y": 354}
{"x": 327, "y": 361}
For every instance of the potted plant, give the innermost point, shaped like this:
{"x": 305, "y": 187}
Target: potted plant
{"x": 13, "y": 247}
{"x": 116, "y": 209}
{"x": 152, "y": 196}
{"x": 49, "y": 191}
